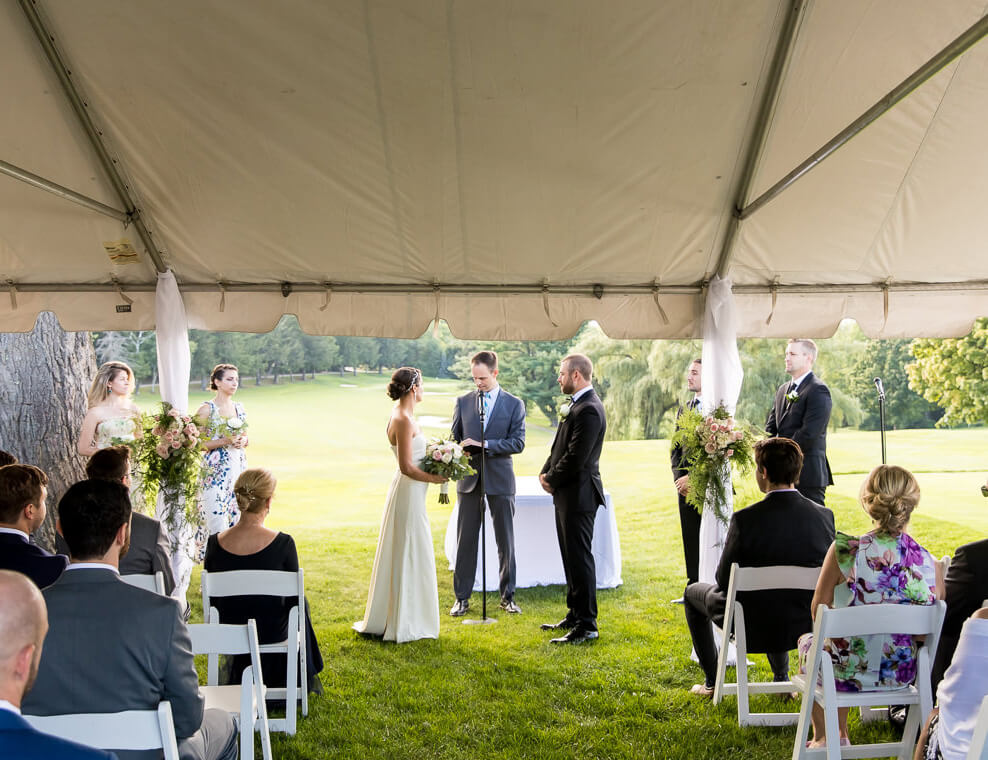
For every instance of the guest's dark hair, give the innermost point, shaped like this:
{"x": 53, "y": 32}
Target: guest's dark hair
{"x": 111, "y": 463}
{"x": 217, "y": 374}
{"x": 20, "y": 485}
{"x": 7, "y": 458}
{"x": 487, "y": 358}
{"x": 402, "y": 381}
{"x": 91, "y": 512}
{"x": 781, "y": 458}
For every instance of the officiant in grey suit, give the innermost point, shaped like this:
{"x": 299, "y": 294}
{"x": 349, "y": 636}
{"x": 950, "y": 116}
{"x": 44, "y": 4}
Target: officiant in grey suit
{"x": 503, "y": 434}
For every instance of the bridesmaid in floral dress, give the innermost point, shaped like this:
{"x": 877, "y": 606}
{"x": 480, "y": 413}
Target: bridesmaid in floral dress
{"x": 113, "y": 417}
{"x": 884, "y": 566}
{"x": 224, "y": 438}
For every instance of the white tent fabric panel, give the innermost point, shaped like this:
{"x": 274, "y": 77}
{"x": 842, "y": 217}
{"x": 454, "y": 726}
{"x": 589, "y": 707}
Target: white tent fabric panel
{"x": 495, "y": 143}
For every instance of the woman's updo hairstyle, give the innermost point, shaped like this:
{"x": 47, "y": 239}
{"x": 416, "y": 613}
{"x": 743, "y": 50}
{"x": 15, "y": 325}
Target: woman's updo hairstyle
{"x": 253, "y": 489}
{"x": 890, "y": 494}
{"x": 219, "y": 371}
{"x": 402, "y": 381}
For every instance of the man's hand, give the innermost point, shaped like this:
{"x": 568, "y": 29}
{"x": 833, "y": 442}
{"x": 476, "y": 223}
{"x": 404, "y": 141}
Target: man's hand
{"x": 470, "y": 442}
{"x": 683, "y": 484}
{"x": 545, "y": 483}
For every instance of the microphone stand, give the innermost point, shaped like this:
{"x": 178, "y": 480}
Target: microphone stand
{"x": 881, "y": 412}
{"x": 484, "y": 620}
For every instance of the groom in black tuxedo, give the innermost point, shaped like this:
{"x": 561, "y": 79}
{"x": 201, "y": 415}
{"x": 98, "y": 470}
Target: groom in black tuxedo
{"x": 571, "y": 474}
{"x": 802, "y": 412}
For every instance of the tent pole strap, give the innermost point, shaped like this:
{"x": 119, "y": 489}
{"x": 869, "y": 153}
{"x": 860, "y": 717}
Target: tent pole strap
{"x": 62, "y": 192}
{"x": 766, "y": 109}
{"x": 960, "y": 45}
{"x": 81, "y": 108}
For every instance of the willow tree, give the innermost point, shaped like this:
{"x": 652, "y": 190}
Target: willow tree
{"x": 44, "y": 377}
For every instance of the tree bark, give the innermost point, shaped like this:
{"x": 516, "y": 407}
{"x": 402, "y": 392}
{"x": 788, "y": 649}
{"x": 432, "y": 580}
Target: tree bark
{"x": 44, "y": 379}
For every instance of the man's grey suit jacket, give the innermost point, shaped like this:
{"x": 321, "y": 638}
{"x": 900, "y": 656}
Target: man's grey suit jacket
{"x": 113, "y": 647}
{"x": 504, "y": 434}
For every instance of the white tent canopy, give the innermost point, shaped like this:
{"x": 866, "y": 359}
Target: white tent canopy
{"x": 515, "y": 168}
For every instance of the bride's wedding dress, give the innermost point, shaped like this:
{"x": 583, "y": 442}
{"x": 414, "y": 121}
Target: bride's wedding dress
{"x": 403, "y": 602}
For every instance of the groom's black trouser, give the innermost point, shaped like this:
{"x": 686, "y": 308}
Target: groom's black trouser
{"x": 705, "y": 604}
{"x": 574, "y": 529}
{"x": 468, "y": 524}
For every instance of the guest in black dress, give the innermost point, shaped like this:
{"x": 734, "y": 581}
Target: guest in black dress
{"x": 248, "y": 545}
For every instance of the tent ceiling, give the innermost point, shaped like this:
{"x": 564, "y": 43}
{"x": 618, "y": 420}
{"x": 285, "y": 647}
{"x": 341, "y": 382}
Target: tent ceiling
{"x": 493, "y": 147}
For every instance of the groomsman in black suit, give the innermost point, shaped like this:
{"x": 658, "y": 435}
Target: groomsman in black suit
{"x": 23, "y": 493}
{"x": 802, "y": 412}
{"x": 572, "y": 475}
{"x": 689, "y": 517}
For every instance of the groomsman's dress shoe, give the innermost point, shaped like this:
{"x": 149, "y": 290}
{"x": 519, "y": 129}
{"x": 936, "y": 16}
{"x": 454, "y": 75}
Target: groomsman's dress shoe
{"x": 563, "y": 625}
{"x": 576, "y": 636}
{"x": 508, "y": 605}
{"x": 460, "y": 608}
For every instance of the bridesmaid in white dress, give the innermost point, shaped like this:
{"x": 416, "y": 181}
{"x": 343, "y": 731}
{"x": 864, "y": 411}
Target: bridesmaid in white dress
{"x": 403, "y": 602}
{"x": 113, "y": 417}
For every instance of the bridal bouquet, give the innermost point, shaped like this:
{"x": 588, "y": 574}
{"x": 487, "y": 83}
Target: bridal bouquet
{"x": 447, "y": 458}
{"x": 711, "y": 446}
{"x": 170, "y": 457}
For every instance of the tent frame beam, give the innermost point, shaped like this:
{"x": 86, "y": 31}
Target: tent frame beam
{"x": 63, "y": 192}
{"x": 961, "y": 44}
{"x": 95, "y": 136}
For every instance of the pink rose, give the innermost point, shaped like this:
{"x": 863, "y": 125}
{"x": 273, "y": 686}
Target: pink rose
{"x": 173, "y": 412}
{"x": 190, "y": 430}
{"x": 162, "y": 450}
{"x": 158, "y": 430}
{"x": 738, "y": 435}
{"x": 175, "y": 443}
{"x": 714, "y": 427}
{"x": 710, "y": 448}
{"x": 730, "y": 452}
{"x": 437, "y": 455}
{"x": 709, "y": 420}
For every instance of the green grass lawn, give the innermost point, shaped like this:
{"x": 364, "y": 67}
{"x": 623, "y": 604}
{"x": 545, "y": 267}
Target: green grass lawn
{"x": 503, "y": 690}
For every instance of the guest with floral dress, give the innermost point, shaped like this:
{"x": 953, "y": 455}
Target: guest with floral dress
{"x": 224, "y": 422}
{"x": 884, "y": 566}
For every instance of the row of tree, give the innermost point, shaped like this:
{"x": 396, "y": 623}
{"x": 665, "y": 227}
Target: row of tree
{"x": 928, "y": 382}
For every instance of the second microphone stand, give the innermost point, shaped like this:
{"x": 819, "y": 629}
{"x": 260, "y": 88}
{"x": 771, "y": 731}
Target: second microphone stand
{"x": 482, "y": 481}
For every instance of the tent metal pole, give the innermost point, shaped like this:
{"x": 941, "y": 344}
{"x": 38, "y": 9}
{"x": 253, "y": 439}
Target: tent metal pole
{"x": 81, "y": 108}
{"x": 62, "y": 192}
{"x": 960, "y": 45}
{"x": 766, "y": 109}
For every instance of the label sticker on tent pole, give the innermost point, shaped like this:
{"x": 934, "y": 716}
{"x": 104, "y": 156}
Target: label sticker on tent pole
{"x": 120, "y": 251}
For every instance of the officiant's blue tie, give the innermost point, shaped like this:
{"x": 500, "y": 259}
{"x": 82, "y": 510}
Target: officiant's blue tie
{"x": 487, "y": 407}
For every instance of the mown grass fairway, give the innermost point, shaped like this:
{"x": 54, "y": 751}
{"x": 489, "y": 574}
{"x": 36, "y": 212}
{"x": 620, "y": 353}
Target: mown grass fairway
{"x": 503, "y": 690}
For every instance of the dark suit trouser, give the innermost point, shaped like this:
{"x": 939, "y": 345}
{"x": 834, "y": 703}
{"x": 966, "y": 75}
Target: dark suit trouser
{"x": 468, "y": 524}
{"x": 705, "y": 604}
{"x": 689, "y": 522}
{"x": 216, "y": 739}
{"x": 575, "y": 533}
{"x": 814, "y": 493}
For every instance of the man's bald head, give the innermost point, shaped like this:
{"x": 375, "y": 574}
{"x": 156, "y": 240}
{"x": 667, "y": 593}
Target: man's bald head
{"x": 23, "y": 625}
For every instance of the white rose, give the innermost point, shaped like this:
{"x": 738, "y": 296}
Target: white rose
{"x": 447, "y": 457}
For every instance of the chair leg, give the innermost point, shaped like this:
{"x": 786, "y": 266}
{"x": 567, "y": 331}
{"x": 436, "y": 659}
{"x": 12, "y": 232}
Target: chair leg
{"x": 910, "y": 731}
{"x": 803, "y": 726}
{"x": 303, "y": 673}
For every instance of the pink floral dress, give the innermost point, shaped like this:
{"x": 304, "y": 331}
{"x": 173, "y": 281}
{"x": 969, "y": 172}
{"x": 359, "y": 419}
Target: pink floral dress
{"x": 878, "y": 569}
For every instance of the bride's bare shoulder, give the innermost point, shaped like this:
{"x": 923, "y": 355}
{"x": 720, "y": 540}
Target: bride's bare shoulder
{"x": 399, "y": 426}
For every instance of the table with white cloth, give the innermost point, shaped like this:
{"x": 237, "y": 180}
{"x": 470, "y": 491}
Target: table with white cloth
{"x": 537, "y": 558}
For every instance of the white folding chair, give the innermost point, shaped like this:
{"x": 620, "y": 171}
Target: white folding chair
{"x": 979, "y": 738}
{"x": 818, "y": 683}
{"x": 770, "y": 578}
{"x": 129, "y": 730}
{"x": 270, "y": 583}
{"x": 247, "y": 699}
{"x": 147, "y": 582}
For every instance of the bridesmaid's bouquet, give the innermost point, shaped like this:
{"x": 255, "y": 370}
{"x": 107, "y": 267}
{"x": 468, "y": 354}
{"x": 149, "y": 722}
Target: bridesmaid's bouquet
{"x": 446, "y": 457}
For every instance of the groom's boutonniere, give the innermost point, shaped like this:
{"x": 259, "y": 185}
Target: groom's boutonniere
{"x": 564, "y": 410}
{"x": 792, "y": 397}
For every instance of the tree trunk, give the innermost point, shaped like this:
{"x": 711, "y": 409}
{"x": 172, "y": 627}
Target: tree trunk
{"x": 44, "y": 378}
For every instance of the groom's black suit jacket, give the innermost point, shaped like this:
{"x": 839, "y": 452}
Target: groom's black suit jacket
{"x": 572, "y": 468}
{"x": 805, "y": 421}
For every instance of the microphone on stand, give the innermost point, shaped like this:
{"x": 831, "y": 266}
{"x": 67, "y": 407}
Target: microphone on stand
{"x": 881, "y": 388}
{"x": 881, "y": 411}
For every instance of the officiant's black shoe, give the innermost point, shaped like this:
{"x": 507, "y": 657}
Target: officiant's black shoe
{"x": 563, "y": 625}
{"x": 508, "y": 605}
{"x": 576, "y": 636}
{"x": 460, "y": 608}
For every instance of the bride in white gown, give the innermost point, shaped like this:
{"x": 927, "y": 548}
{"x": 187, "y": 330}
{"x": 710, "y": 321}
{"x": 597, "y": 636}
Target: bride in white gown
{"x": 403, "y": 602}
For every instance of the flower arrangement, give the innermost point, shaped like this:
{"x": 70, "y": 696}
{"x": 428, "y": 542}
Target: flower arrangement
{"x": 447, "y": 458}
{"x": 169, "y": 457}
{"x": 792, "y": 397}
{"x": 711, "y": 446}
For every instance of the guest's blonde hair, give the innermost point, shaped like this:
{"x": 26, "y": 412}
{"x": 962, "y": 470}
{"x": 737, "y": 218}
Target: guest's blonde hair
{"x": 253, "y": 489}
{"x": 890, "y": 494}
{"x": 105, "y": 375}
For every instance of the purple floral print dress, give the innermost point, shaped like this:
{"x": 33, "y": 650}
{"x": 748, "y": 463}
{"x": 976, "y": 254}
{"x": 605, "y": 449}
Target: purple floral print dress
{"x": 878, "y": 569}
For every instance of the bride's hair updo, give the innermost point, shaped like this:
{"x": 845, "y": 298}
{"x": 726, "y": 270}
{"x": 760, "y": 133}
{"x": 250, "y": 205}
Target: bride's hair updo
{"x": 253, "y": 488}
{"x": 105, "y": 375}
{"x": 402, "y": 381}
{"x": 890, "y": 494}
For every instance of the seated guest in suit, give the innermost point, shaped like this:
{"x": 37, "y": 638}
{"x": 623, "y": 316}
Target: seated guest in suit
{"x": 23, "y": 624}
{"x": 113, "y": 647}
{"x": 23, "y": 491}
{"x": 966, "y": 587}
{"x": 148, "y": 552}
{"x": 784, "y": 528}
{"x": 248, "y": 545}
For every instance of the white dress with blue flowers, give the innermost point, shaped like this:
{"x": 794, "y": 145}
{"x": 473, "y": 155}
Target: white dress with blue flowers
{"x": 222, "y": 466}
